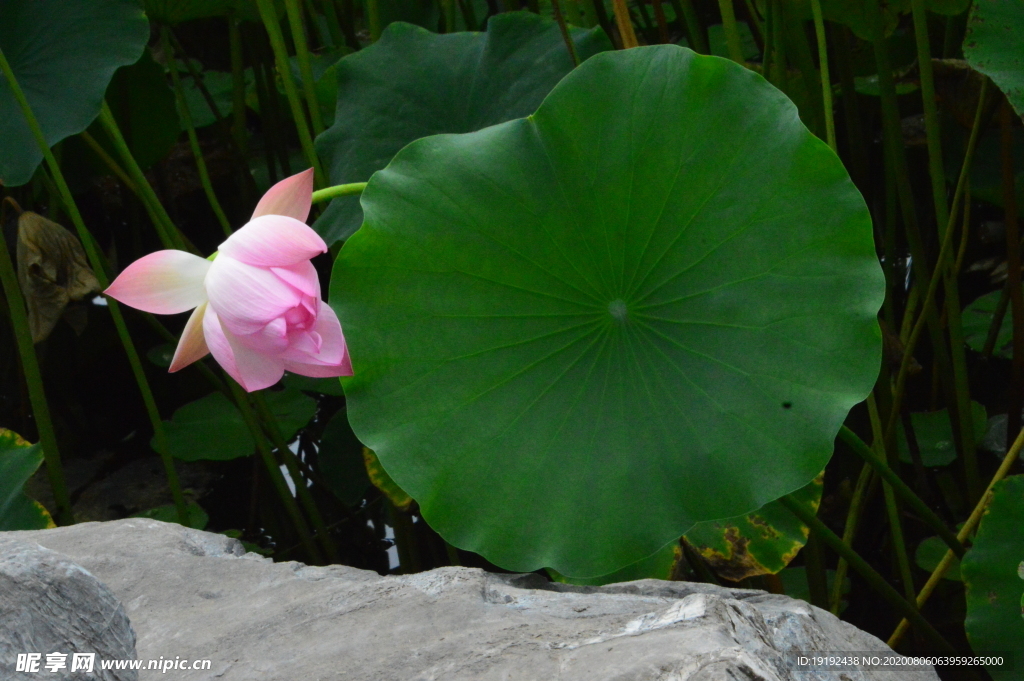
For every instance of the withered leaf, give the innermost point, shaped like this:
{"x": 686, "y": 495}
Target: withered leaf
{"x": 52, "y": 271}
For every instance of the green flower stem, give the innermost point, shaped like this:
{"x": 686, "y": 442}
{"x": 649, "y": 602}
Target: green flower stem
{"x": 857, "y": 503}
{"x": 238, "y": 127}
{"x": 333, "y": 23}
{"x": 972, "y": 522}
{"x": 556, "y": 6}
{"x": 779, "y": 73}
{"x": 803, "y": 60}
{"x": 111, "y": 164}
{"x": 96, "y": 262}
{"x": 193, "y": 139}
{"x": 931, "y": 113}
{"x": 659, "y": 18}
{"x": 625, "y": 24}
{"x": 755, "y": 20}
{"x": 768, "y": 32}
{"x": 276, "y": 477}
{"x": 857, "y": 143}
{"x": 405, "y": 539}
{"x": 284, "y": 69}
{"x": 166, "y": 229}
{"x": 814, "y": 571}
{"x": 238, "y": 156}
{"x": 123, "y": 176}
{"x": 305, "y": 65}
{"x": 373, "y": 19}
{"x": 1013, "y": 265}
{"x": 732, "y": 31}
{"x": 875, "y": 580}
{"x": 901, "y": 489}
{"x": 826, "y": 81}
{"x": 573, "y": 15}
{"x": 891, "y": 507}
{"x": 273, "y": 431}
{"x": 940, "y": 268}
{"x": 36, "y": 391}
{"x": 338, "y": 190}
{"x": 943, "y": 219}
{"x": 687, "y": 17}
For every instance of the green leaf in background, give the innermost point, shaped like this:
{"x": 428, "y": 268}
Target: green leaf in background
{"x": 987, "y": 170}
{"x": 989, "y": 572}
{"x": 794, "y": 582}
{"x": 930, "y": 553}
{"x": 19, "y": 460}
{"x": 661, "y": 565}
{"x": 761, "y": 543}
{"x": 197, "y": 517}
{"x": 143, "y": 106}
{"x": 413, "y": 83}
{"x": 161, "y": 355}
{"x": 977, "y": 318}
{"x": 575, "y": 335}
{"x": 220, "y": 85}
{"x": 325, "y": 80}
{"x": 176, "y": 11}
{"x": 993, "y": 46}
{"x": 211, "y": 428}
{"x": 63, "y": 53}
{"x": 341, "y": 461}
{"x": 291, "y": 408}
{"x": 720, "y": 48}
{"x": 382, "y": 481}
{"x": 935, "y": 435}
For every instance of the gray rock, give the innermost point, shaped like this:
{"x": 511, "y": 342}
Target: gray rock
{"x": 48, "y": 604}
{"x": 195, "y": 595}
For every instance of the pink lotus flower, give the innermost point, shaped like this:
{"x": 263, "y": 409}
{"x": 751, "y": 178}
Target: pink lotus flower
{"x": 257, "y": 304}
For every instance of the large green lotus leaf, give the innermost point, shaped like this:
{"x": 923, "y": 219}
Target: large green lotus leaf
{"x": 761, "y": 543}
{"x": 18, "y": 461}
{"x": 63, "y": 53}
{"x": 413, "y": 83}
{"x": 575, "y": 335}
{"x": 993, "y": 46}
{"x": 989, "y": 571}
{"x": 661, "y": 565}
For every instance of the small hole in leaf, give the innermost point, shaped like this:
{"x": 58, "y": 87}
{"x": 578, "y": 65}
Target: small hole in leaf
{"x": 787, "y": 405}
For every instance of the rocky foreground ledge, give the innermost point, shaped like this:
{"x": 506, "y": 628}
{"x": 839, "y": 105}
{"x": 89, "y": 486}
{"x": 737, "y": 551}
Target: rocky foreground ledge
{"x": 196, "y": 595}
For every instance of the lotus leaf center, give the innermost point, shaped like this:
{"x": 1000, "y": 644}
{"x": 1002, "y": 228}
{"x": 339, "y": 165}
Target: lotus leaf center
{"x": 618, "y": 310}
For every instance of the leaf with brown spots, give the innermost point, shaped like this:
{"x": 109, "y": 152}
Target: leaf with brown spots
{"x": 763, "y": 542}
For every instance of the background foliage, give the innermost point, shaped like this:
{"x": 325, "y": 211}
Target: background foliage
{"x": 607, "y": 307}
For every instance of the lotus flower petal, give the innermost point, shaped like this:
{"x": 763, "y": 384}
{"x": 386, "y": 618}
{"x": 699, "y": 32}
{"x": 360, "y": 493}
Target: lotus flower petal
{"x": 302, "y": 276}
{"x": 332, "y": 353}
{"x": 320, "y": 370}
{"x": 273, "y": 241}
{"x": 192, "y": 346}
{"x": 252, "y": 370}
{"x": 248, "y": 298}
{"x": 165, "y": 282}
{"x": 292, "y": 196}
